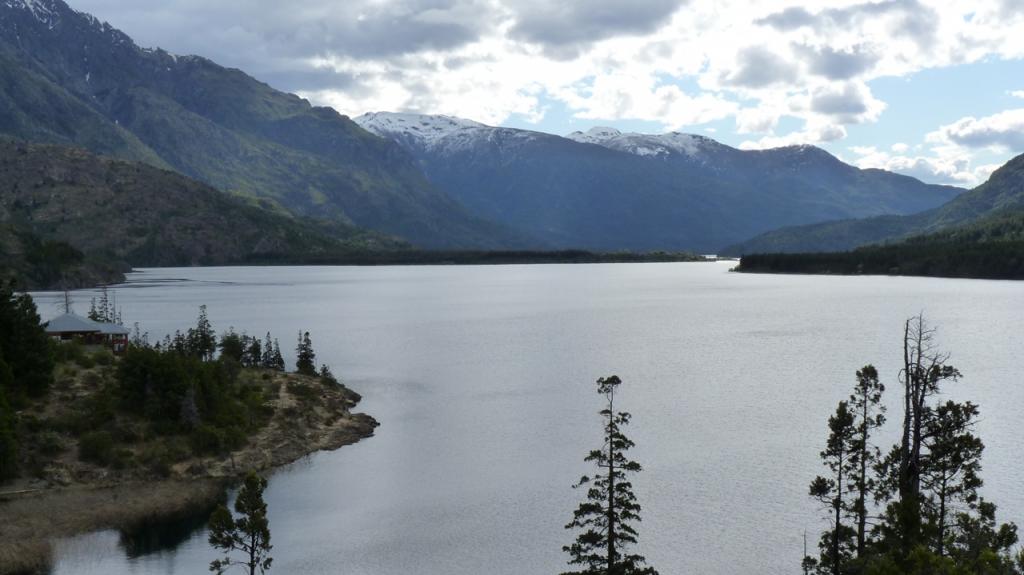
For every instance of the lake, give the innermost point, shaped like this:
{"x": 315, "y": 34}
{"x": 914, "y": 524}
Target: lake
{"x": 483, "y": 381}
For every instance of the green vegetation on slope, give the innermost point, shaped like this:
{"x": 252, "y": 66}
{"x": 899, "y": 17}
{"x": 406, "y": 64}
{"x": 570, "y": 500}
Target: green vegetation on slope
{"x": 73, "y": 80}
{"x": 70, "y": 218}
{"x": 991, "y": 248}
{"x": 189, "y": 396}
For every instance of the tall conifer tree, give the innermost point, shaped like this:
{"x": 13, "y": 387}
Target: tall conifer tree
{"x": 608, "y": 516}
{"x": 249, "y": 534}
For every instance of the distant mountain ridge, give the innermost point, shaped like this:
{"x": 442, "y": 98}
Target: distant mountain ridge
{"x": 607, "y": 190}
{"x": 1002, "y": 193}
{"x": 66, "y": 78}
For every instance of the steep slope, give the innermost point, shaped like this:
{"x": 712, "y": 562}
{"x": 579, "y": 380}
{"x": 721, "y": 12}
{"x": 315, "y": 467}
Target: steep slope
{"x": 607, "y": 190}
{"x": 61, "y": 207}
{"x": 70, "y": 79}
{"x": 1003, "y": 192}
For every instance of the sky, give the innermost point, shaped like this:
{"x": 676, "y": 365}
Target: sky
{"x": 929, "y": 88}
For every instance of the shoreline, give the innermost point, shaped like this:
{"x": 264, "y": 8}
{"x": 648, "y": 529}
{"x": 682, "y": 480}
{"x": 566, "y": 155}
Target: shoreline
{"x": 400, "y": 258}
{"x": 75, "y": 499}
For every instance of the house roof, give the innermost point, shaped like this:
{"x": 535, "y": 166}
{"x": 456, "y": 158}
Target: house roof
{"x": 112, "y": 329}
{"x": 71, "y": 323}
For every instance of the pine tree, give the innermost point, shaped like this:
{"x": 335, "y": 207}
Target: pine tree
{"x": 837, "y": 543}
{"x": 950, "y": 473}
{"x": 305, "y": 362}
{"x": 249, "y": 534}
{"x": 8, "y": 440}
{"x": 866, "y": 405}
{"x": 327, "y": 375}
{"x": 610, "y": 511}
{"x": 253, "y": 352}
{"x": 276, "y": 359}
{"x": 103, "y": 310}
{"x": 139, "y": 338}
{"x": 201, "y": 340}
{"x": 232, "y": 345}
{"x": 934, "y": 521}
{"x": 268, "y": 353}
{"x": 25, "y": 344}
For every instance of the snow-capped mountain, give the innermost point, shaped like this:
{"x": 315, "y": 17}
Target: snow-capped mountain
{"x": 426, "y": 129}
{"x": 445, "y": 135}
{"x": 604, "y": 189}
{"x": 690, "y": 145}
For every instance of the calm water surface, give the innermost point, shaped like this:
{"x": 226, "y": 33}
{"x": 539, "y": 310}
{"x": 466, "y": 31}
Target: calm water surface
{"x": 483, "y": 381}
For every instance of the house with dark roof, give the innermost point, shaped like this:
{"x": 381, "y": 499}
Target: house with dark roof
{"x": 72, "y": 327}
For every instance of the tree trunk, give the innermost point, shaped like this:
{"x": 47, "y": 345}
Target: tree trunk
{"x": 942, "y": 516}
{"x": 905, "y": 440}
{"x": 252, "y": 553}
{"x": 837, "y": 504}
{"x": 611, "y": 484}
{"x": 862, "y": 511}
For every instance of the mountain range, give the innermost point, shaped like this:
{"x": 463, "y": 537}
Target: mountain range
{"x": 437, "y": 182}
{"x": 67, "y": 78}
{"x": 981, "y": 234}
{"x": 604, "y": 189}
{"x": 1002, "y": 193}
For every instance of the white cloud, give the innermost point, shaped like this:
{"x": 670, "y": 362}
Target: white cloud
{"x": 1004, "y": 130}
{"x": 849, "y": 103}
{"x": 942, "y": 163}
{"x": 615, "y": 96}
{"x": 813, "y": 133}
{"x": 1017, "y": 93}
{"x": 755, "y": 61}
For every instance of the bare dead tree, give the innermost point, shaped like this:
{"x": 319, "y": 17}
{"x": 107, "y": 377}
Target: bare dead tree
{"x": 924, "y": 370}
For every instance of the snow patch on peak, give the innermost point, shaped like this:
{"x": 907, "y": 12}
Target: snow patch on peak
{"x": 645, "y": 144}
{"x": 428, "y": 129}
{"x": 595, "y": 135}
{"x": 44, "y": 10}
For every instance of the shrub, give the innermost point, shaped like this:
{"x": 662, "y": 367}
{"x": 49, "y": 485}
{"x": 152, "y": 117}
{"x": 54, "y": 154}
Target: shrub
{"x": 32, "y": 423}
{"x": 235, "y": 438}
{"x": 124, "y": 433}
{"x": 92, "y": 379}
{"x": 157, "y": 460}
{"x": 120, "y": 458}
{"x": 103, "y": 357}
{"x": 207, "y": 440}
{"x": 85, "y": 361}
{"x": 67, "y": 351}
{"x": 96, "y": 447}
{"x": 51, "y": 443}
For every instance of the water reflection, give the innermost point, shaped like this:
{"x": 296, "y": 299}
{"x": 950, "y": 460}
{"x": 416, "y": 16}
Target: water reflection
{"x": 163, "y": 533}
